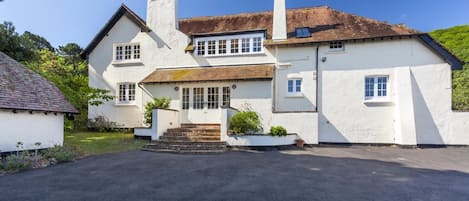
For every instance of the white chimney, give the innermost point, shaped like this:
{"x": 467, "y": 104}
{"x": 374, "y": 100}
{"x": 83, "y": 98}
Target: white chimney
{"x": 280, "y": 21}
{"x": 162, "y": 15}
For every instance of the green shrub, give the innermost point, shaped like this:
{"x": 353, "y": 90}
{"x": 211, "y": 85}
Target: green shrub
{"x": 18, "y": 162}
{"x": 158, "y": 103}
{"x": 62, "y": 154}
{"x": 245, "y": 122}
{"x": 101, "y": 124}
{"x": 278, "y": 131}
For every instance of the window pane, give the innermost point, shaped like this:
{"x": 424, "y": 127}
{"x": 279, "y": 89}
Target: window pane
{"x": 131, "y": 92}
{"x": 290, "y": 86}
{"x": 222, "y": 47}
{"x": 136, "y": 51}
{"x": 298, "y": 85}
{"x": 213, "y": 98}
{"x": 226, "y": 96}
{"x": 128, "y": 52}
{"x": 122, "y": 88}
{"x": 369, "y": 87}
{"x": 212, "y": 44}
{"x": 119, "y": 53}
{"x": 382, "y": 86}
{"x": 201, "y": 48}
{"x": 198, "y": 98}
{"x": 185, "y": 98}
{"x": 234, "y": 46}
{"x": 246, "y": 45}
{"x": 257, "y": 44}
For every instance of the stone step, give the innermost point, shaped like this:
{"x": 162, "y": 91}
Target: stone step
{"x": 189, "y": 134}
{"x": 190, "y": 138}
{"x": 185, "y": 151}
{"x": 193, "y": 130}
{"x": 185, "y": 147}
{"x": 208, "y": 126}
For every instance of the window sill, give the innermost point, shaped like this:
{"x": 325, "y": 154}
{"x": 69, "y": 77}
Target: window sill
{"x": 125, "y": 104}
{"x": 233, "y": 55}
{"x": 378, "y": 102}
{"x": 300, "y": 95}
{"x": 336, "y": 52}
{"x": 127, "y": 63}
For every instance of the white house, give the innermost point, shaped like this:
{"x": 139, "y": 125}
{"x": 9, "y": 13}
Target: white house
{"x": 32, "y": 109}
{"x": 325, "y": 75}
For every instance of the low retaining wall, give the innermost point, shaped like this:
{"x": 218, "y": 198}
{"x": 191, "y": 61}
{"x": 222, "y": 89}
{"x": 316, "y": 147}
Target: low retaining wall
{"x": 260, "y": 140}
{"x": 162, "y": 120}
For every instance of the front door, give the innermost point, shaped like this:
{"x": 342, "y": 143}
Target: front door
{"x": 202, "y": 104}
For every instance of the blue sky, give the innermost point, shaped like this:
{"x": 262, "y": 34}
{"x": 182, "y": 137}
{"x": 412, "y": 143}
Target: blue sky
{"x": 63, "y": 21}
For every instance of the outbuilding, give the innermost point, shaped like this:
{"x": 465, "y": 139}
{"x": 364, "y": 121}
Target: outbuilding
{"x": 32, "y": 109}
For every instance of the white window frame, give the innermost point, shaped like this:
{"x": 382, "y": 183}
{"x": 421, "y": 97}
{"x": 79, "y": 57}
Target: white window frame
{"x": 133, "y": 52}
{"x": 295, "y": 92}
{"x": 228, "y": 39}
{"x": 376, "y": 97}
{"x": 127, "y": 100}
{"x": 333, "y": 46}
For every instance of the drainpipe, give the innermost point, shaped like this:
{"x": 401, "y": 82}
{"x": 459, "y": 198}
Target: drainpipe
{"x": 274, "y": 83}
{"x": 317, "y": 76}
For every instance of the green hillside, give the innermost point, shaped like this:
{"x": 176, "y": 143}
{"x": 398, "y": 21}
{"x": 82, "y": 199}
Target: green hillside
{"x": 456, "y": 39}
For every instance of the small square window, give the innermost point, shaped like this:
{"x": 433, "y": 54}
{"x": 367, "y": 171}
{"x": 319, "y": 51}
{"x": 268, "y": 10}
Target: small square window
{"x": 337, "y": 46}
{"x": 295, "y": 87}
{"x": 376, "y": 87}
{"x": 303, "y": 32}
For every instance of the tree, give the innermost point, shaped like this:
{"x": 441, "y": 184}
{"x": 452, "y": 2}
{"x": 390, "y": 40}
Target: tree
{"x": 72, "y": 52}
{"x": 13, "y": 45}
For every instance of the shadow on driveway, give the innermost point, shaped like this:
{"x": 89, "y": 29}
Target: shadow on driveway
{"x": 234, "y": 176}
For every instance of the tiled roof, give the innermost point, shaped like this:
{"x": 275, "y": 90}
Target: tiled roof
{"x": 23, "y": 89}
{"x": 325, "y": 24}
{"x": 222, "y": 73}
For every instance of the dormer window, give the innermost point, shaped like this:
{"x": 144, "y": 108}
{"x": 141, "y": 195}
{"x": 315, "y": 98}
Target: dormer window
{"x": 303, "y": 32}
{"x": 230, "y": 45}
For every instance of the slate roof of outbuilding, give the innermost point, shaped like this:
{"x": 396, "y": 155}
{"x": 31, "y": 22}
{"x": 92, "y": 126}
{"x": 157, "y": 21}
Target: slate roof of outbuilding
{"x": 23, "y": 89}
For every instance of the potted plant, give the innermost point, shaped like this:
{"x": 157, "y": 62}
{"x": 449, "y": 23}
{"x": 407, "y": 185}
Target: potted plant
{"x": 300, "y": 143}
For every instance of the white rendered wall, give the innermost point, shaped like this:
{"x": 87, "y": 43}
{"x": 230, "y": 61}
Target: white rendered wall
{"x": 30, "y": 129}
{"x": 294, "y": 63}
{"x": 161, "y": 49}
{"x": 343, "y": 115}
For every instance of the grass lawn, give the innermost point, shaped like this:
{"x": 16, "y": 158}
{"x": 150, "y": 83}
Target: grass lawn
{"x": 93, "y": 143}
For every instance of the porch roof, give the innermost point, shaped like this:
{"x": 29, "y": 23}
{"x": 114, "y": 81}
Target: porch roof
{"x": 218, "y": 73}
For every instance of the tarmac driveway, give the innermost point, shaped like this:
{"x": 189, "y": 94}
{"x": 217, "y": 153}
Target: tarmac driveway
{"x": 333, "y": 173}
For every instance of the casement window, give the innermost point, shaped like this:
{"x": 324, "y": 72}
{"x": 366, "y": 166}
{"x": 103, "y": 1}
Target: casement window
{"x": 257, "y": 44}
{"x": 302, "y": 32}
{"x": 222, "y": 47}
{"x": 295, "y": 87}
{"x": 213, "y": 97}
{"x": 185, "y": 98}
{"x": 234, "y": 46}
{"x": 211, "y": 48}
{"x": 230, "y": 45}
{"x": 226, "y": 96}
{"x": 337, "y": 46}
{"x": 376, "y": 88}
{"x": 127, "y": 52}
{"x": 245, "y": 45}
{"x": 201, "y": 48}
{"x": 198, "y": 98}
{"x": 126, "y": 93}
